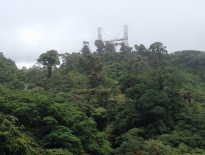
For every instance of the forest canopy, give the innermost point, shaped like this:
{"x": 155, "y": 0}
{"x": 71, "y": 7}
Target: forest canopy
{"x": 141, "y": 101}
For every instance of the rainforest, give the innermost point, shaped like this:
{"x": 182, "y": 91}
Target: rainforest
{"x": 140, "y": 101}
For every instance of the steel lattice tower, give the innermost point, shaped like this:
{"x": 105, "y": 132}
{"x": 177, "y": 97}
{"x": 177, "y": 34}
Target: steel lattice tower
{"x": 99, "y": 33}
{"x": 126, "y": 35}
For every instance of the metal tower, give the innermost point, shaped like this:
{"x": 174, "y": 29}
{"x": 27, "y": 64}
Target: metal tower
{"x": 126, "y": 35}
{"x": 99, "y": 33}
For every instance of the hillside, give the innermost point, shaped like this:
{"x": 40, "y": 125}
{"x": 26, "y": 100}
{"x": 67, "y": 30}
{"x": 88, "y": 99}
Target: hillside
{"x": 142, "y": 101}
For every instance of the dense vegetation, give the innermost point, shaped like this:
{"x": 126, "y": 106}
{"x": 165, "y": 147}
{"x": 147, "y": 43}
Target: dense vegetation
{"x": 144, "y": 101}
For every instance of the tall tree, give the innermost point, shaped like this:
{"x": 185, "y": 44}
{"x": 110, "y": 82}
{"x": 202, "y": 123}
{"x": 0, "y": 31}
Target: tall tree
{"x": 125, "y": 49}
{"x": 110, "y": 47}
{"x": 7, "y": 69}
{"x": 70, "y": 61}
{"x": 85, "y": 50}
{"x": 158, "y": 49}
{"x": 140, "y": 48}
{"x": 100, "y": 47}
{"x": 49, "y": 59}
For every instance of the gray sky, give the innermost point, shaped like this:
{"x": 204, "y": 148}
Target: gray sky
{"x": 31, "y": 27}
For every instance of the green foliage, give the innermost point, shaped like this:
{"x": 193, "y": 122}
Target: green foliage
{"x": 61, "y": 137}
{"x": 109, "y": 47}
{"x": 155, "y": 102}
{"x": 100, "y": 118}
{"x": 131, "y": 142}
{"x": 85, "y": 50}
{"x": 16, "y": 85}
{"x": 155, "y": 147}
{"x": 100, "y": 47}
{"x": 92, "y": 66}
{"x": 20, "y": 75}
{"x": 7, "y": 68}
{"x": 11, "y": 140}
{"x": 100, "y": 112}
{"x": 35, "y": 77}
{"x": 115, "y": 69}
{"x": 137, "y": 65}
{"x": 70, "y": 62}
{"x": 182, "y": 148}
{"x": 49, "y": 59}
{"x": 49, "y": 120}
{"x": 158, "y": 54}
{"x": 38, "y": 90}
{"x": 56, "y": 125}
{"x": 73, "y": 80}
{"x": 57, "y": 152}
{"x": 158, "y": 48}
{"x": 143, "y": 102}
{"x": 10, "y": 75}
{"x": 125, "y": 49}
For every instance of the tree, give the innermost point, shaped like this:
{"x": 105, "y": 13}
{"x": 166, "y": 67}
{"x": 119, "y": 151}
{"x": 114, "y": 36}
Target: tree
{"x": 49, "y": 59}
{"x": 125, "y": 49}
{"x": 7, "y": 69}
{"x": 11, "y": 140}
{"x": 110, "y": 47}
{"x": 158, "y": 49}
{"x": 140, "y": 48}
{"x": 85, "y": 50}
{"x": 99, "y": 116}
{"x": 131, "y": 142}
{"x": 70, "y": 61}
{"x": 137, "y": 65}
{"x": 100, "y": 47}
{"x": 56, "y": 125}
{"x": 93, "y": 66}
{"x": 156, "y": 102}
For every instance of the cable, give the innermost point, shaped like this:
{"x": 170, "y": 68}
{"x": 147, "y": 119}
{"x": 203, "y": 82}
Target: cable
{"x": 110, "y": 35}
{"x": 132, "y": 35}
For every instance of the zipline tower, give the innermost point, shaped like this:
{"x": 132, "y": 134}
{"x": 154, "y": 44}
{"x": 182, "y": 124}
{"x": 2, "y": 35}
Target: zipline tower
{"x": 126, "y": 35}
{"x": 99, "y": 33}
{"x": 114, "y": 41}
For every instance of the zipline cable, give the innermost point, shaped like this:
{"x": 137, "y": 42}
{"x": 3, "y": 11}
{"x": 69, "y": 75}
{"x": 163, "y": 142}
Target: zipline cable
{"x": 110, "y": 35}
{"x": 132, "y": 35}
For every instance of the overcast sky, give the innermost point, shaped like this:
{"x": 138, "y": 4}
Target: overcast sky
{"x": 31, "y": 27}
